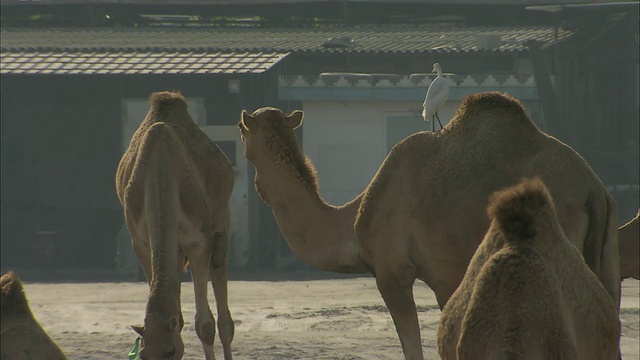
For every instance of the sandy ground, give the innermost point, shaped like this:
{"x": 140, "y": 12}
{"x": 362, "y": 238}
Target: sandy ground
{"x": 319, "y": 319}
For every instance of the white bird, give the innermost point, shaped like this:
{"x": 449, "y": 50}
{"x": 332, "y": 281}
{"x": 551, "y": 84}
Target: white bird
{"x": 437, "y": 95}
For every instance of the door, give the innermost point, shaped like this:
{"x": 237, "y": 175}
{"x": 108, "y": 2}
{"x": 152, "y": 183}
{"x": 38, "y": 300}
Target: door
{"x": 227, "y": 137}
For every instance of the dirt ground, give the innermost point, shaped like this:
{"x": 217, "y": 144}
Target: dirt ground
{"x": 317, "y": 319}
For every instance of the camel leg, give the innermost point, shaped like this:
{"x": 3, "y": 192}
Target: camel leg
{"x": 398, "y": 296}
{"x": 204, "y": 321}
{"x": 218, "y": 271}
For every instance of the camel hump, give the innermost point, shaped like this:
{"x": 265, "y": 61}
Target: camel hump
{"x": 516, "y": 210}
{"x": 492, "y": 100}
{"x": 12, "y": 292}
{"x": 165, "y": 99}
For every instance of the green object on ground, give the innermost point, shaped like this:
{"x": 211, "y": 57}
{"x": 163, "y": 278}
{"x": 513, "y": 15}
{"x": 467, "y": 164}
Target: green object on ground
{"x": 133, "y": 354}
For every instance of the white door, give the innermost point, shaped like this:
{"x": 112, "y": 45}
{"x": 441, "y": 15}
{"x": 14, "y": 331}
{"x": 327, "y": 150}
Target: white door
{"x": 228, "y": 139}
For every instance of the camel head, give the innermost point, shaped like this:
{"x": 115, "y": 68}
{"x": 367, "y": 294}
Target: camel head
{"x": 268, "y": 138}
{"x": 160, "y": 337}
{"x": 262, "y": 130}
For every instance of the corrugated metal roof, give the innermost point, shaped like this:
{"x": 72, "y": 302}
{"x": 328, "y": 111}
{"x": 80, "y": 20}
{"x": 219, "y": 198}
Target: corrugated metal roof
{"x": 132, "y": 62}
{"x": 263, "y": 2}
{"x": 378, "y": 39}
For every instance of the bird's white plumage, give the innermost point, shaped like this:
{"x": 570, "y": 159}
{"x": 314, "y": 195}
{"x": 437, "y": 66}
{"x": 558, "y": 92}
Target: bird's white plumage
{"x": 437, "y": 94}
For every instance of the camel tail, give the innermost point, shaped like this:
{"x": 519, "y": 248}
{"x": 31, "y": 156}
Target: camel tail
{"x": 167, "y": 99}
{"x": 516, "y": 210}
{"x": 14, "y": 299}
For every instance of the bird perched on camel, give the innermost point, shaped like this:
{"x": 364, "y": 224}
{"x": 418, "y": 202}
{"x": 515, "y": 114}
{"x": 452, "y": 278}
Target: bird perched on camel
{"x": 527, "y": 292}
{"x": 437, "y": 95}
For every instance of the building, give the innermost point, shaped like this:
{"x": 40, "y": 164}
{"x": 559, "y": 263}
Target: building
{"x": 73, "y": 95}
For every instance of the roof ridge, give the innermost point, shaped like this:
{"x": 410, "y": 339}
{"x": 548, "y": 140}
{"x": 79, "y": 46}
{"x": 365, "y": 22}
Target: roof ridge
{"x": 383, "y": 27}
{"x": 357, "y": 39}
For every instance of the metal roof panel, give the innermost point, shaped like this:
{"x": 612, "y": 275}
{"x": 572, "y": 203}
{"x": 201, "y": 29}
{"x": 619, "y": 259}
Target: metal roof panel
{"x": 76, "y": 62}
{"x": 397, "y": 39}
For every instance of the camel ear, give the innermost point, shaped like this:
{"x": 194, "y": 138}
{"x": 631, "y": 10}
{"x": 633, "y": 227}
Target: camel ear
{"x": 174, "y": 324}
{"x": 138, "y": 329}
{"x": 247, "y": 121}
{"x": 295, "y": 119}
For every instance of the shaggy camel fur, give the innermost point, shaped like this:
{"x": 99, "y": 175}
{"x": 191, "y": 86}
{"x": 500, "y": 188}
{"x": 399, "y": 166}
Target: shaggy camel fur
{"x": 174, "y": 184}
{"x": 629, "y": 249}
{"x": 527, "y": 292}
{"x": 424, "y": 213}
{"x": 22, "y": 337}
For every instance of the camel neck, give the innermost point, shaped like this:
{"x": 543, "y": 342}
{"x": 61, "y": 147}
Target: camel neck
{"x": 320, "y": 234}
{"x": 165, "y": 280}
{"x": 164, "y": 297}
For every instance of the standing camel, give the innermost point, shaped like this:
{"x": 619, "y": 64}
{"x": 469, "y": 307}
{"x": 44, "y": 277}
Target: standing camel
{"x": 174, "y": 184}
{"x": 424, "y": 213}
{"x": 527, "y": 292}
{"x": 629, "y": 249}
{"x": 21, "y": 335}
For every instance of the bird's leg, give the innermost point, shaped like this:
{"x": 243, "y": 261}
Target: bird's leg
{"x": 436, "y": 115}
{"x": 433, "y": 121}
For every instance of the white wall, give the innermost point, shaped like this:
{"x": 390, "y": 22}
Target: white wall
{"x": 347, "y": 142}
{"x": 239, "y": 201}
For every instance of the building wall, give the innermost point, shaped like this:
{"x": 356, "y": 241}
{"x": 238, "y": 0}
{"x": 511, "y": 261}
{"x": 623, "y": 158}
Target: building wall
{"x": 62, "y": 139}
{"x": 60, "y": 146}
{"x": 351, "y": 123}
{"x": 347, "y": 141}
{"x": 598, "y": 92}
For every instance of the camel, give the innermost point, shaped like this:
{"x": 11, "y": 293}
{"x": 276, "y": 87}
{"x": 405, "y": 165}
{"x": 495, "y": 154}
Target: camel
{"x": 424, "y": 212}
{"x": 629, "y": 249}
{"x": 174, "y": 184}
{"x": 527, "y": 291}
{"x": 22, "y": 337}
